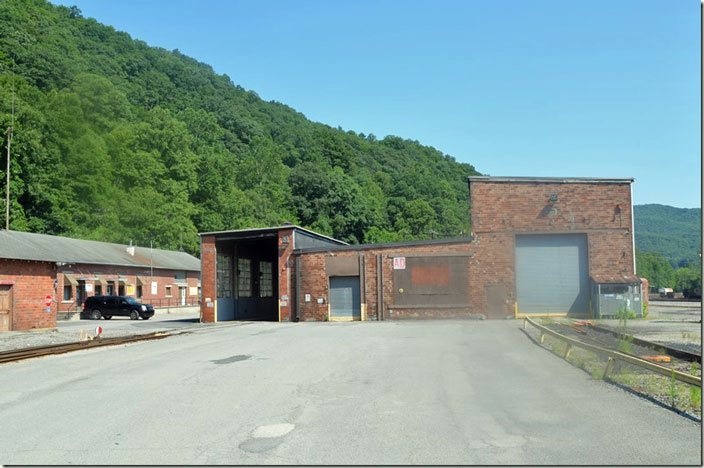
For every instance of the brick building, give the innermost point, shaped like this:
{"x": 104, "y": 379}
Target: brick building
{"x": 36, "y": 266}
{"x": 538, "y": 245}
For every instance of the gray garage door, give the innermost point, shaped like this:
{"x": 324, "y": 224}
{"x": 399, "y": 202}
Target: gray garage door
{"x": 552, "y": 274}
{"x": 344, "y": 298}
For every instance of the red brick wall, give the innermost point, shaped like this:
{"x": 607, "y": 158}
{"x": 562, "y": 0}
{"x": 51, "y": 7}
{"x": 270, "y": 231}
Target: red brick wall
{"x": 208, "y": 255}
{"x": 314, "y": 281}
{"x": 31, "y": 282}
{"x": 525, "y": 207}
{"x": 287, "y": 277}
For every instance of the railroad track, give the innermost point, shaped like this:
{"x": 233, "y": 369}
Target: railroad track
{"x": 37, "y": 351}
{"x": 609, "y": 339}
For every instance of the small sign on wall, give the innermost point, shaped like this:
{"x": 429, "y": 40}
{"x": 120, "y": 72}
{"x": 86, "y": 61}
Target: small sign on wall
{"x": 89, "y": 287}
{"x": 192, "y": 291}
{"x": 130, "y": 290}
{"x": 399, "y": 263}
{"x": 154, "y": 288}
{"x": 307, "y": 299}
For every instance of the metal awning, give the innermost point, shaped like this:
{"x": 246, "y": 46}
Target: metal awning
{"x": 141, "y": 281}
{"x": 102, "y": 282}
{"x": 121, "y": 279}
{"x": 70, "y": 279}
{"x": 87, "y": 278}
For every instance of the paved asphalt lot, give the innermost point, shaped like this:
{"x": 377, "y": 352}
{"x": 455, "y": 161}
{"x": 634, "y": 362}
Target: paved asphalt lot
{"x": 413, "y": 392}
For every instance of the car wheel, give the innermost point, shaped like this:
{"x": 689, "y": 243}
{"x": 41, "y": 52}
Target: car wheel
{"x": 95, "y": 314}
{"x": 107, "y": 317}
{"x": 134, "y": 315}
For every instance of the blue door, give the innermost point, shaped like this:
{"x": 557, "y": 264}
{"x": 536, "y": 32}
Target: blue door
{"x": 345, "y": 298}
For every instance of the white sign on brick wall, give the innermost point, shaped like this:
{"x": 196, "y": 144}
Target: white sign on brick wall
{"x": 399, "y": 263}
{"x": 154, "y": 288}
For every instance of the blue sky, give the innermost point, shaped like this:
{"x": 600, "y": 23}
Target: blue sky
{"x": 520, "y": 88}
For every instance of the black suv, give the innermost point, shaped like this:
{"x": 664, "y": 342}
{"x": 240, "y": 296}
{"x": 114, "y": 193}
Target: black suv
{"x": 109, "y": 306}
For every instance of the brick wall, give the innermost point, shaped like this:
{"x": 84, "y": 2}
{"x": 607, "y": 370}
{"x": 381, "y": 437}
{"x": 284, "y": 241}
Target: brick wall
{"x": 208, "y": 255}
{"x": 286, "y": 274}
{"x": 525, "y": 206}
{"x": 314, "y": 281}
{"x": 31, "y": 282}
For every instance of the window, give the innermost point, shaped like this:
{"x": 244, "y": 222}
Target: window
{"x": 224, "y": 273}
{"x": 179, "y": 277}
{"x": 168, "y": 291}
{"x": 244, "y": 277}
{"x": 139, "y": 290}
{"x": 68, "y": 292}
{"x": 266, "y": 280}
{"x": 98, "y": 289}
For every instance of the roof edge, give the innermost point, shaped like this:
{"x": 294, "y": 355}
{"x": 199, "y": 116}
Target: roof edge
{"x": 385, "y": 245}
{"x": 554, "y": 180}
{"x": 273, "y": 229}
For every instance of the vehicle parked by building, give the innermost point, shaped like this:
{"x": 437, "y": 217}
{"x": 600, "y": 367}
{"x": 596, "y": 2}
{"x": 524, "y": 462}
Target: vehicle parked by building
{"x": 108, "y": 307}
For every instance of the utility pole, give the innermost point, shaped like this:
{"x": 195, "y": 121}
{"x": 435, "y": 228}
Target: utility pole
{"x": 9, "y": 142}
{"x": 7, "y": 180}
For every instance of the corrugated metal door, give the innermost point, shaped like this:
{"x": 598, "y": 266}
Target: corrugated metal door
{"x": 5, "y": 307}
{"x": 345, "y": 298}
{"x": 552, "y": 274}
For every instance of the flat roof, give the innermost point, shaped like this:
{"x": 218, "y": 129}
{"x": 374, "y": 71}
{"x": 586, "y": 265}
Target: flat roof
{"x": 554, "y": 180}
{"x": 16, "y": 245}
{"x": 385, "y": 245}
{"x": 273, "y": 229}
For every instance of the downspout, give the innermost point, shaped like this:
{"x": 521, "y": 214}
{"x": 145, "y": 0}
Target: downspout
{"x": 633, "y": 231}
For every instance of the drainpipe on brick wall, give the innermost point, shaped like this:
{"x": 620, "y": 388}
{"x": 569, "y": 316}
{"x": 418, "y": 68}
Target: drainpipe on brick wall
{"x": 633, "y": 234}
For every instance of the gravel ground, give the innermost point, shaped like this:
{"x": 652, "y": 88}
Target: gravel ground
{"x": 30, "y": 339}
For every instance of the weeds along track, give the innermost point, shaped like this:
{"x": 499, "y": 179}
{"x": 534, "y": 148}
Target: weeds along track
{"x": 681, "y": 397}
{"x": 622, "y": 342}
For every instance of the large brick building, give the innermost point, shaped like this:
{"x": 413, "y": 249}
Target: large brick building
{"x": 36, "y": 266}
{"x": 538, "y": 246}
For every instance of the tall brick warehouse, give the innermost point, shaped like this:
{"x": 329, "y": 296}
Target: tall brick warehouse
{"x": 538, "y": 247}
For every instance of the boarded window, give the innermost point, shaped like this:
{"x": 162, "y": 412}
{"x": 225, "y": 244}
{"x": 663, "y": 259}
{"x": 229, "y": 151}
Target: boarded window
{"x": 168, "y": 291}
{"x": 432, "y": 281}
{"x": 244, "y": 277}
{"x": 266, "y": 279}
{"x": 224, "y": 273}
{"x": 430, "y": 275}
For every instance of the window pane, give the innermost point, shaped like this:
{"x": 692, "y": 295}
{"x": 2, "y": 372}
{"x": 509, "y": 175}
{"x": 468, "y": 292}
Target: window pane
{"x": 244, "y": 277}
{"x": 224, "y": 273}
{"x": 67, "y": 293}
{"x": 266, "y": 280}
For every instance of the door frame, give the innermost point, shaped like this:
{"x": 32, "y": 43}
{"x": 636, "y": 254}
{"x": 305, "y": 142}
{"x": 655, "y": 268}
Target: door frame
{"x": 344, "y": 319}
{"x": 12, "y": 304}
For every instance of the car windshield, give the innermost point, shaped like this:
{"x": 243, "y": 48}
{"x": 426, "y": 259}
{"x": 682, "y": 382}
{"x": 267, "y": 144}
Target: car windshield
{"x": 131, "y": 300}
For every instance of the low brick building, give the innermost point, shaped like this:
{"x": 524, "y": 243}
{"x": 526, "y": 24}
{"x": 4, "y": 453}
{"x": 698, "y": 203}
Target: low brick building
{"x": 36, "y": 266}
{"x": 537, "y": 247}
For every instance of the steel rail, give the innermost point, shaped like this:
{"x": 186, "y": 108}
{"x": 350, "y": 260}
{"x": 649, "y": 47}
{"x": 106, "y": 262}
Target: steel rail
{"x": 37, "y": 351}
{"x": 669, "y": 350}
{"x": 614, "y": 355}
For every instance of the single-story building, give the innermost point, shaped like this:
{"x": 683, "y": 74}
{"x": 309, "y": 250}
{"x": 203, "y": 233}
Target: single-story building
{"x": 535, "y": 244}
{"x": 43, "y": 275}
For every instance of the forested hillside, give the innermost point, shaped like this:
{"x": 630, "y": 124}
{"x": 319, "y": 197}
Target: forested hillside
{"x": 675, "y": 233}
{"x": 117, "y": 141}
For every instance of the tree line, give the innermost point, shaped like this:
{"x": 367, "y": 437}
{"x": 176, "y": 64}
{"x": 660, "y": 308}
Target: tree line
{"x": 117, "y": 141}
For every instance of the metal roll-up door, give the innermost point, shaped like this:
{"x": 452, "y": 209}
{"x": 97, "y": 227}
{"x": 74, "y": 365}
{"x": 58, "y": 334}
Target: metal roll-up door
{"x": 552, "y": 274}
{"x": 345, "y": 298}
